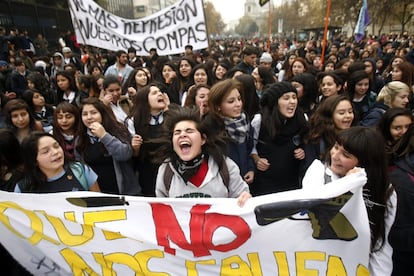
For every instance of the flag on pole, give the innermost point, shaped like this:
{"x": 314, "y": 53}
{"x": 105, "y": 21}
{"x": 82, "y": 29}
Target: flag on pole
{"x": 363, "y": 21}
{"x": 263, "y": 2}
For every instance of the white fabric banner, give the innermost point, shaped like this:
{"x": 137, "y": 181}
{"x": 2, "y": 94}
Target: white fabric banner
{"x": 168, "y": 30}
{"x": 319, "y": 232}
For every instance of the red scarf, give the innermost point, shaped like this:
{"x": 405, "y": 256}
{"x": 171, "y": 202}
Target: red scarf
{"x": 198, "y": 178}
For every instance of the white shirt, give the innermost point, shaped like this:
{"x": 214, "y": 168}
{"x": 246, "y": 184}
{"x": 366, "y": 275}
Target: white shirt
{"x": 118, "y": 112}
{"x": 69, "y": 98}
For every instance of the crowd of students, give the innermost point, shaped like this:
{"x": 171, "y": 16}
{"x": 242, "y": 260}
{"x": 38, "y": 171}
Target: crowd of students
{"x": 237, "y": 122}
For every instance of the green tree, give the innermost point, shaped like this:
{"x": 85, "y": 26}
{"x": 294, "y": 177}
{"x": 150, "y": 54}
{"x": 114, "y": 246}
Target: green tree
{"x": 403, "y": 12}
{"x": 215, "y": 24}
{"x": 380, "y": 13}
{"x": 290, "y": 13}
{"x": 247, "y": 26}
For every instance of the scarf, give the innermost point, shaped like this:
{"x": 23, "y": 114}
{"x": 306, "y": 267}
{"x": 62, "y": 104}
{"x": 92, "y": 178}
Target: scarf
{"x": 237, "y": 128}
{"x": 187, "y": 169}
{"x": 69, "y": 145}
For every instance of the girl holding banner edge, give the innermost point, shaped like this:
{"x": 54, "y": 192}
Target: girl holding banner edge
{"x": 359, "y": 148}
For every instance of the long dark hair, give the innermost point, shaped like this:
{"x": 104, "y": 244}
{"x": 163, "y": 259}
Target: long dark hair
{"x": 272, "y": 121}
{"x": 387, "y": 119}
{"x": 208, "y": 73}
{"x": 131, "y": 82}
{"x": 72, "y": 84}
{"x": 28, "y": 98}
{"x": 407, "y": 70}
{"x": 321, "y": 123}
{"x": 65, "y": 107}
{"x": 249, "y": 95}
{"x": 10, "y": 153}
{"x": 109, "y": 122}
{"x": 367, "y": 145}
{"x": 34, "y": 177}
{"x": 310, "y": 91}
{"x": 17, "y": 104}
{"x": 265, "y": 74}
{"x": 43, "y": 85}
{"x": 353, "y": 79}
{"x": 141, "y": 112}
{"x": 190, "y": 101}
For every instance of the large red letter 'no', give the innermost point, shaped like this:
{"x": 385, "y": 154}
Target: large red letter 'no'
{"x": 202, "y": 228}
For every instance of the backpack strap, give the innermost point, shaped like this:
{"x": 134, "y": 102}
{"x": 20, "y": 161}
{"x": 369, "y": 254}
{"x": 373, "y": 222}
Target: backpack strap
{"x": 224, "y": 173}
{"x": 79, "y": 172}
{"x": 168, "y": 174}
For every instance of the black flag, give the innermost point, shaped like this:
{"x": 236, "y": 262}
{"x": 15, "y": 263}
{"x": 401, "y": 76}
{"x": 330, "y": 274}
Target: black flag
{"x": 262, "y": 2}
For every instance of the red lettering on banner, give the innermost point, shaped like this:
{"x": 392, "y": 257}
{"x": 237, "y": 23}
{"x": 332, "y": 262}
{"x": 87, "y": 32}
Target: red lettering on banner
{"x": 202, "y": 228}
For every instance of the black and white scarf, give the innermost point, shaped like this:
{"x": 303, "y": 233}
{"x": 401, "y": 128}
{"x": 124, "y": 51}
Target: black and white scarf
{"x": 237, "y": 128}
{"x": 188, "y": 168}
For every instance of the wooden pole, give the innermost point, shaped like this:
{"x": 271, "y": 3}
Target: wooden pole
{"x": 207, "y": 32}
{"x": 325, "y": 32}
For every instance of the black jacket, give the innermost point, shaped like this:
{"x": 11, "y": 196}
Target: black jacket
{"x": 401, "y": 236}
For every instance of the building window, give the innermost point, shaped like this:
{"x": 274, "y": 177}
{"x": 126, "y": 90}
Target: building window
{"x": 141, "y": 8}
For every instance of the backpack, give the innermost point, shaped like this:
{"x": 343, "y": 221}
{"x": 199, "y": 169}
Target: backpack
{"x": 224, "y": 173}
{"x": 79, "y": 171}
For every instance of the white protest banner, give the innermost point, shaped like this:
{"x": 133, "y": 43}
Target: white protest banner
{"x": 289, "y": 233}
{"x": 168, "y": 30}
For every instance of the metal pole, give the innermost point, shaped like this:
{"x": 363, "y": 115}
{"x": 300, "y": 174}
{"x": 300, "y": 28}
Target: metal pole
{"x": 269, "y": 27}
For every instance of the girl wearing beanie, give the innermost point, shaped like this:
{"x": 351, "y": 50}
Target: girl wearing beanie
{"x": 278, "y": 132}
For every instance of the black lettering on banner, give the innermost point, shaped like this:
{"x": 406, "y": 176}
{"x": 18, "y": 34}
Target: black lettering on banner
{"x": 192, "y": 9}
{"x": 85, "y": 27}
{"x": 111, "y": 21}
{"x": 167, "y": 20}
{"x": 132, "y": 27}
{"x": 176, "y": 39}
{"x": 98, "y": 24}
{"x": 145, "y": 24}
{"x": 152, "y": 26}
{"x": 171, "y": 38}
{"x": 147, "y": 43}
{"x": 162, "y": 43}
{"x": 201, "y": 28}
{"x": 191, "y": 35}
{"x": 79, "y": 6}
{"x": 182, "y": 13}
{"x": 102, "y": 17}
{"x": 182, "y": 32}
{"x": 91, "y": 30}
{"x": 159, "y": 22}
{"x": 128, "y": 26}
